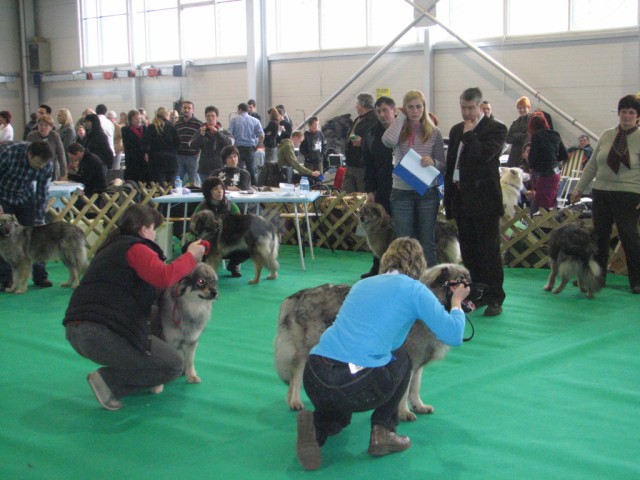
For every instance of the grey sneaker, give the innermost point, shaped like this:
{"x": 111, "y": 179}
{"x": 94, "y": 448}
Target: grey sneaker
{"x": 103, "y": 392}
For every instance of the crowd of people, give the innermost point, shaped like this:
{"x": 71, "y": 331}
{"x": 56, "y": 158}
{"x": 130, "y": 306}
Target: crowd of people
{"x": 359, "y": 363}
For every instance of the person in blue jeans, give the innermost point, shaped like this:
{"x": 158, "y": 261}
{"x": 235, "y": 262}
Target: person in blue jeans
{"x": 415, "y": 215}
{"x": 360, "y": 363}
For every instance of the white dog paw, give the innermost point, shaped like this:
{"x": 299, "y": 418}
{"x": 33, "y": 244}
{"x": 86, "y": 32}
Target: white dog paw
{"x": 156, "y": 390}
{"x": 296, "y": 405}
{"x": 422, "y": 408}
{"x": 193, "y": 379}
{"x": 407, "y": 416}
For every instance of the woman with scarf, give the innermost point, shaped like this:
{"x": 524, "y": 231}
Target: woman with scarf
{"x": 615, "y": 165}
{"x": 136, "y": 167}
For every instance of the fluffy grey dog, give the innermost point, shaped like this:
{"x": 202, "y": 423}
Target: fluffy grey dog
{"x": 183, "y": 312}
{"x": 21, "y": 246}
{"x": 307, "y": 313}
{"x": 571, "y": 250}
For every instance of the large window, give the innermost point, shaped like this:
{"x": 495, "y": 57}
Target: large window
{"x": 310, "y": 25}
{"x": 162, "y": 30}
{"x": 104, "y": 28}
{"x": 495, "y": 18}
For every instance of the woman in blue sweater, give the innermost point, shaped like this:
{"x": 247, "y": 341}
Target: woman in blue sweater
{"x": 360, "y": 364}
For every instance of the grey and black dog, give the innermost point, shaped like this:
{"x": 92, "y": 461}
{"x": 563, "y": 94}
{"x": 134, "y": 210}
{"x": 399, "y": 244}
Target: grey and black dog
{"x": 21, "y": 246}
{"x": 239, "y": 233}
{"x": 571, "y": 250}
{"x": 307, "y": 313}
{"x": 182, "y": 313}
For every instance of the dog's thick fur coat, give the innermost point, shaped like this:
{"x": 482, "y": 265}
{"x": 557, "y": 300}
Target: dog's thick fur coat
{"x": 378, "y": 228}
{"x": 21, "y": 246}
{"x": 249, "y": 233}
{"x": 307, "y": 313}
{"x": 571, "y": 250}
{"x": 183, "y": 313}
{"x": 512, "y": 183}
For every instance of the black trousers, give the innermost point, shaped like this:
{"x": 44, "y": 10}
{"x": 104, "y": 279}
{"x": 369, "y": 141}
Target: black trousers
{"x": 619, "y": 208}
{"x": 336, "y": 392}
{"x": 480, "y": 248}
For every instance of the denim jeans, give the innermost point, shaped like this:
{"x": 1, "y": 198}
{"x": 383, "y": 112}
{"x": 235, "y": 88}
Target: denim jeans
{"x": 188, "y": 166}
{"x": 247, "y": 161}
{"x": 336, "y": 392}
{"x": 415, "y": 216}
{"x": 126, "y": 369}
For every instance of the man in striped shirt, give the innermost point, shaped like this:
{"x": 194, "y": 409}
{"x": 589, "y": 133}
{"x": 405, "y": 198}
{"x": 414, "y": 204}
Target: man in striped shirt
{"x": 186, "y": 126}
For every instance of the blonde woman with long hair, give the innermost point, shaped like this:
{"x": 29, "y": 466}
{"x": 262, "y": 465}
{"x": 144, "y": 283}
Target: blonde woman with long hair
{"x": 160, "y": 141}
{"x": 66, "y": 131}
{"x": 415, "y": 215}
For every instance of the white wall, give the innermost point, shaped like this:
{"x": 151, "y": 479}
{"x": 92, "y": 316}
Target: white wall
{"x": 584, "y": 76}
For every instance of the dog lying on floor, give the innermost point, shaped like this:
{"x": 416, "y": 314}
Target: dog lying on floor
{"x": 306, "y": 314}
{"x": 571, "y": 250}
{"x": 182, "y": 313}
{"x": 378, "y": 228}
{"x": 21, "y": 246}
{"x": 248, "y": 233}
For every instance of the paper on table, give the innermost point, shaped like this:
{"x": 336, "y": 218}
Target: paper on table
{"x": 411, "y": 171}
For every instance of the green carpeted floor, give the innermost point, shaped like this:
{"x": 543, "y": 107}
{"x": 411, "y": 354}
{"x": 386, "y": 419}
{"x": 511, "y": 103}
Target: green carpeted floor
{"x": 549, "y": 389}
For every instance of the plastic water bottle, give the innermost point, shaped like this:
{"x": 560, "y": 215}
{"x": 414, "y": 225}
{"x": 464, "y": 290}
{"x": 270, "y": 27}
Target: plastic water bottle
{"x": 178, "y": 185}
{"x": 304, "y": 186}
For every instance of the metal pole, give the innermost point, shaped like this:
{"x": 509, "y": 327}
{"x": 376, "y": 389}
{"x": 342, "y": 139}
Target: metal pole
{"x": 24, "y": 64}
{"x": 362, "y": 69}
{"x": 508, "y": 73}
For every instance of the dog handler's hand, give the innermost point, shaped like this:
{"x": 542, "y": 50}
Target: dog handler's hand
{"x": 197, "y": 250}
{"x": 575, "y": 196}
{"x": 460, "y": 292}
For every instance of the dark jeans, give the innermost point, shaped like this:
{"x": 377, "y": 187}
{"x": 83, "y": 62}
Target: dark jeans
{"x": 26, "y": 217}
{"x": 336, "y": 392}
{"x": 480, "y": 248}
{"x": 127, "y": 370}
{"x": 415, "y": 216}
{"x": 247, "y": 161}
{"x": 618, "y": 207}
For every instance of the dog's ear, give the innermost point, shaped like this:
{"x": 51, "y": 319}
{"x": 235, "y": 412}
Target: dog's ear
{"x": 503, "y": 170}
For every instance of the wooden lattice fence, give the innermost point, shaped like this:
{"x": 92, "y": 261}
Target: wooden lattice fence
{"x": 524, "y": 237}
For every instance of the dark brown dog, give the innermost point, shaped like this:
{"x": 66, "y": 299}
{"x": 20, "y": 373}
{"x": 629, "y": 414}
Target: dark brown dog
{"x": 233, "y": 233}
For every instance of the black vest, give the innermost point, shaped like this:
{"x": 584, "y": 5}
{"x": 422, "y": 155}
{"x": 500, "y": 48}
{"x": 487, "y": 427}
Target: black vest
{"x": 112, "y": 294}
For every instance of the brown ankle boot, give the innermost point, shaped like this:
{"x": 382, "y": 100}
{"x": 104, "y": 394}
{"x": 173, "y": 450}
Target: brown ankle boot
{"x": 385, "y": 441}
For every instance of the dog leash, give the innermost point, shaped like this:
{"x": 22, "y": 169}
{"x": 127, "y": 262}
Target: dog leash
{"x": 473, "y": 330}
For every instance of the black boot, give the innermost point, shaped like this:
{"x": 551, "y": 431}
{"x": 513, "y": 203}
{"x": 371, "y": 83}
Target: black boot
{"x": 375, "y": 268}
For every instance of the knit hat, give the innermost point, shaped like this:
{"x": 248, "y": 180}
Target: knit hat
{"x": 523, "y": 102}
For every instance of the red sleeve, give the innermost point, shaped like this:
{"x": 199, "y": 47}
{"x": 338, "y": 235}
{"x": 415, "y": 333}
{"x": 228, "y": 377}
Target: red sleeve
{"x": 151, "y": 269}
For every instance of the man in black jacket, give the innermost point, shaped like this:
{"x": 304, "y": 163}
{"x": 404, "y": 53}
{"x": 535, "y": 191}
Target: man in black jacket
{"x": 377, "y": 161}
{"x": 86, "y": 168}
{"x": 473, "y": 195}
{"x": 366, "y": 120}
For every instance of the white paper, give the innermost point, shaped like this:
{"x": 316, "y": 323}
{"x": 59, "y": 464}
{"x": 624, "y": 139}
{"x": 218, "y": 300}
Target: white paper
{"x": 411, "y": 161}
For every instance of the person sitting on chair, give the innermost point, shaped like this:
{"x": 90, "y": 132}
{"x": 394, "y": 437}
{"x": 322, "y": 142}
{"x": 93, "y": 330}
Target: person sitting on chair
{"x": 287, "y": 157}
